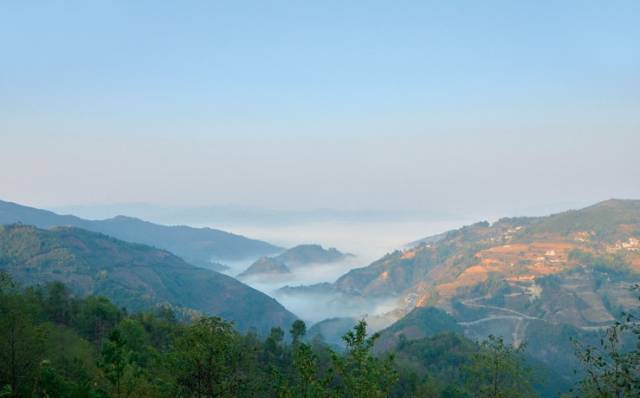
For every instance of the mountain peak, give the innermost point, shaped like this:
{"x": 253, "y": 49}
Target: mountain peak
{"x": 265, "y": 266}
{"x": 309, "y": 254}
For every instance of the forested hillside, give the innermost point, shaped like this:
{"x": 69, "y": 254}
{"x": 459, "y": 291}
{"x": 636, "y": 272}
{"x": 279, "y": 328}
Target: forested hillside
{"x": 199, "y": 246}
{"x": 134, "y": 276}
{"x": 53, "y": 344}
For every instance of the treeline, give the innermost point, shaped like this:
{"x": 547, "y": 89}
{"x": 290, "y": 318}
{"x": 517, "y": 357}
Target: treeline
{"x": 53, "y": 344}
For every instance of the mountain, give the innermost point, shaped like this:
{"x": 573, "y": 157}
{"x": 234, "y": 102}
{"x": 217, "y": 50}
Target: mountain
{"x": 515, "y": 250}
{"x": 247, "y": 215}
{"x": 429, "y": 239}
{"x": 317, "y": 288}
{"x": 445, "y": 358}
{"x": 132, "y": 275}
{"x": 296, "y": 257}
{"x": 302, "y": 255}
{"x": 538, "y": 280}
{"x": 265, "y": 266}
{"x": 331, "y": 331}
{"x": 422, "y": 322}
{"x": 199, "y": 246}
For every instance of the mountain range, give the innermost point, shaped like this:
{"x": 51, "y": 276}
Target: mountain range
{"x": 514, "y": 251}
{"x": 539, "y": 280}
{"x": 132, "y": 275}
{"x": 199, "y": 246}
{"x": 534, "y": 280}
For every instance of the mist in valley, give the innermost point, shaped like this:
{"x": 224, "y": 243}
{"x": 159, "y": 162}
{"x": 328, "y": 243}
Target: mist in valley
{"x": 367, "y": 241}
{"x": 365, "y": 234}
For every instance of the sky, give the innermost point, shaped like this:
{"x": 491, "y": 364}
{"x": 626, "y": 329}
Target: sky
{"x": 461, "y": 107}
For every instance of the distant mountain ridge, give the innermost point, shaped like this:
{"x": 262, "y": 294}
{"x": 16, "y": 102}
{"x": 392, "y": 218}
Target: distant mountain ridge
{"x": 296, "y": 257}
{"x": 246, "y": 215}
{"x": 132, "y": 275}
{"x": 306, "y": 254}
{"x": 265, "y": 266}
{"x": 199, "y": 246}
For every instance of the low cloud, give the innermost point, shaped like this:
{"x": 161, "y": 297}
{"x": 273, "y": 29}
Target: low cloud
{"x": 368, "y": 241}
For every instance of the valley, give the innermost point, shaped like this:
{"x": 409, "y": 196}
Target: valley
{"x": 536, "y": 281}
{"x": 512, "y": 278}
{"x": 319, "y": 199}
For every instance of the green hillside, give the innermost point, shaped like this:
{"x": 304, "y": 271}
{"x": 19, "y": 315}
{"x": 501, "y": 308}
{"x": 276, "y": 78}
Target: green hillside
{"x": 199, "y": 246}
{"x": 134, "y": 276}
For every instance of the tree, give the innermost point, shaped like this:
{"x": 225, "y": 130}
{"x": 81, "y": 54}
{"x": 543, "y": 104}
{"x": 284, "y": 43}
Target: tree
{"x": 50, "y": 383}
{"x": 6, "y": 282}
{"x": 97, "y": 317}
{"x": 21, "y": 342}
{"x": 70, "y": 365}
{"x": 115, "y": 360}
{"x": 58, "y": 303}
{"x": 360, "y": 373}
{"x": 612, "y": 369}
{"x": 309, "y": 382}
{"x": 210, "y": 363}
{"x": 498, "y": 371}
{"x": 298, "y": 330}
{"x": 274, "y": 352}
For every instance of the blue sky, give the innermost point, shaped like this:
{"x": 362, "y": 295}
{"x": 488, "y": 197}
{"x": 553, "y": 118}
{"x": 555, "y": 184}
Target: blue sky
{"x": 301, "y": 104}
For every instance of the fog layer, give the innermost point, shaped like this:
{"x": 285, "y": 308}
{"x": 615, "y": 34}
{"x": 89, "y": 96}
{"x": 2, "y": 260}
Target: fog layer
{"x": 368, "y": 241}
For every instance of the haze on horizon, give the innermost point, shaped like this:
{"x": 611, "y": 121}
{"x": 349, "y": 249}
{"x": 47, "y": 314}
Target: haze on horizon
{"x": 498, "y": 108}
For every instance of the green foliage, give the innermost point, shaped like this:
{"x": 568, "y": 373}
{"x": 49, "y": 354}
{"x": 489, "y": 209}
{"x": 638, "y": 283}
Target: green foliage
{"x": 6, "y": 282}
{"x": 499, "y": 371}
{"x": 612, "y": 368}
{"x": 69, "y": 360}
{"x": 429, "y": 320}
{"x": 433, "y": 366}
{"x": 21, "y": 343}
{"x": 298, "y": 330}
{"x": 54, "y": 344}
{"x": 209, "y": 361}
{"x": 115, "y": 361}
{"x": 131, "y": 275}
{"x": 96, "y": 317}
{"x": 363, "y": 375}
{"x": 308, "y": 379}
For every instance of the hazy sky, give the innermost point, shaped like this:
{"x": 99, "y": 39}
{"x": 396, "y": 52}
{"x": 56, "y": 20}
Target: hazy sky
{"x": 305, "y": 104}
